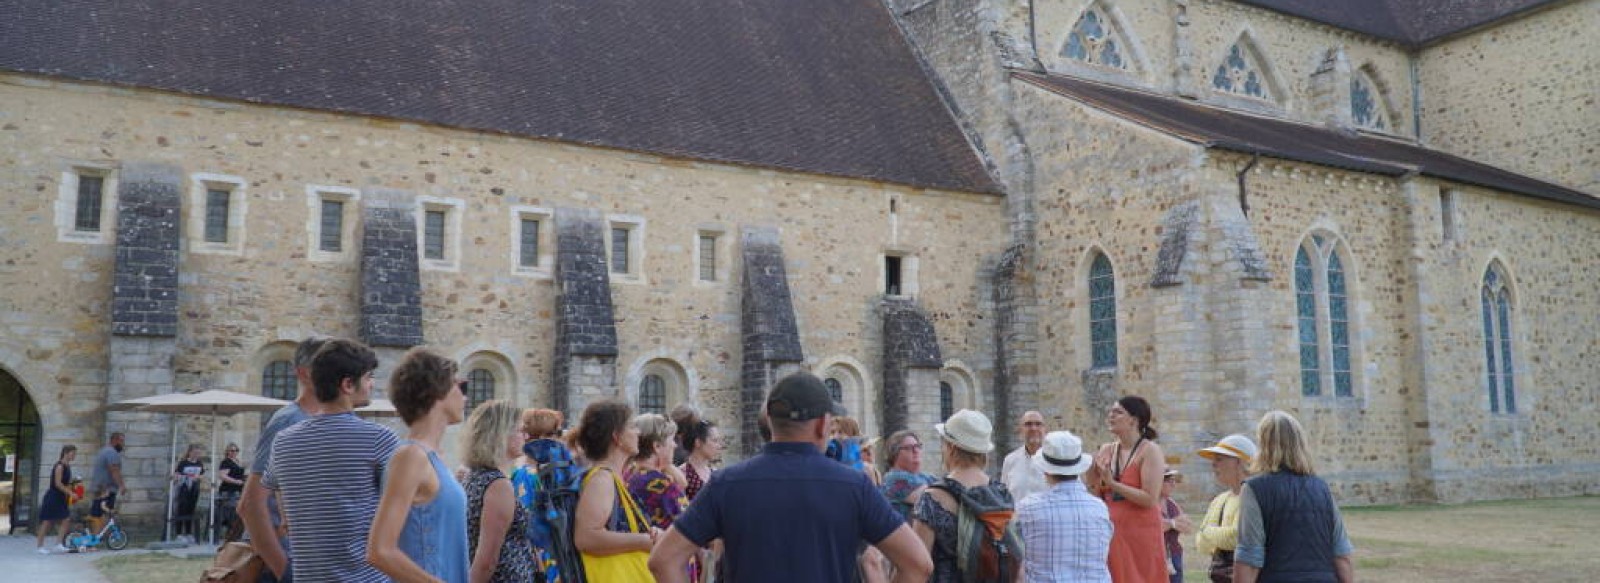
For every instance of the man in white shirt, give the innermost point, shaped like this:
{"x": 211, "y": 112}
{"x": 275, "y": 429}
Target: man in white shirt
{"x": 1018, "y": 473}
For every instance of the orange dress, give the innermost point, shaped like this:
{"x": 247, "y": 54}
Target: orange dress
{"x": 1138, "y": 553}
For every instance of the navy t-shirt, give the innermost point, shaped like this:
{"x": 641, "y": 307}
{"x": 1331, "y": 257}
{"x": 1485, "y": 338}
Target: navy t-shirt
{"x": 789, "y": 514}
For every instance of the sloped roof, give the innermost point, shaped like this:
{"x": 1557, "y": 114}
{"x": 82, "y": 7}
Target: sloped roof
{"x": 1409, "y": 22}
{"x": 1225, "y": 129}
{"x": 821, "y": 87}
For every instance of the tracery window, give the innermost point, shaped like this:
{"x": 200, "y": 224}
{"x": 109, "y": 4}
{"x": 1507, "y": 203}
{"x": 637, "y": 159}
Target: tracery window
{"x": 1239, "y": 74}
{"x": 1094, "y": 40}
{"x": 1322, "y": 310}
{"x": 1102, "y": 312}
{"x": 1497, "y": 311}
{"x": 1365, "y": 108}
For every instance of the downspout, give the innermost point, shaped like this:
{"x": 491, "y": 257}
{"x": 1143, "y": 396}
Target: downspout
{"x": 1416, "y": 98}
{"x": 1244, "y": 195}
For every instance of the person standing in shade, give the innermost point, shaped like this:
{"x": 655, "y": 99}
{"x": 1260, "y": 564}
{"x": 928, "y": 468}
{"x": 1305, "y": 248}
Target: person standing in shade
{"x": 789, "y": 513}
{"x": 420, "y": 531}
{"x": 1127, "y": 475}
{"x": 53, "y": 510}
{"x": 329, "y": 469}
{"x": 258, "y": 507}
{"x": 231, "y": 475}
{"x": 1066, "y": 532}
{"x": 1289, "y": 526}
{"x": 1218, "y": 534}
{"x": 188, "y": 478}
{"x": 1017, "y": 471}
{"x": 497, "y": 526}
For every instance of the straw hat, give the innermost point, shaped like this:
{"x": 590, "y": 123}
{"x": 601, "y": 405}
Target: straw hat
{"x": 1062, "y": 454}
{"x": 968, "y": 430}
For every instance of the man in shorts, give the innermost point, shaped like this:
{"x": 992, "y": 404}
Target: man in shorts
{"x": 106, "y": 481}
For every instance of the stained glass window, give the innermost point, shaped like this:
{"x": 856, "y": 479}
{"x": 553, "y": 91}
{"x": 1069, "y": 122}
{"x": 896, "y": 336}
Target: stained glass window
{"x": 1102, "y": 312}
{"x": 653, "y": 394}
{"x": 1322, "y": 317}
{"x": 1498, "y": 359}
{"x": 1365, "y": 109}
{"x": 947, "y": 400}
{"x": 1306, "y": 311}
{"x": 1093, "y": 40}
{"x": 480, "y": 387}
{"x": 1239, "y": 74}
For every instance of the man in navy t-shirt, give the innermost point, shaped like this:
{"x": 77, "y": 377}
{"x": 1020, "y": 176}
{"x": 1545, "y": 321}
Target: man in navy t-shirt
{"x": 789, "y": 513}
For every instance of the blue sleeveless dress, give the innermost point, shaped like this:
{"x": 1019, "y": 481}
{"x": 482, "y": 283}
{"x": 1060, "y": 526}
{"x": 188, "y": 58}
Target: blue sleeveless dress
{"x": 435, "y": 534}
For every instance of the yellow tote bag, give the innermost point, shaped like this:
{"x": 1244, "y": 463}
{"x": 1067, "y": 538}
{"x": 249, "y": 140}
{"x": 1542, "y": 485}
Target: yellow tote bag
{"x": 629, "y": 567}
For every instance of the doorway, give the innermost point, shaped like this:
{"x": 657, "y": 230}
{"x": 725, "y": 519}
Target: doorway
{"x": 20, "y": 438}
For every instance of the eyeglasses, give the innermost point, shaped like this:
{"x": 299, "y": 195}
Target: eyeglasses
{"x": 1033, "y": 424}
{"x": 462, "y": 385}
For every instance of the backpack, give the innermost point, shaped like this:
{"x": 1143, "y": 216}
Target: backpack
{"x": 846, "y": 451}
{"x": 555, "y": 502}
{"x": 988, "y": 549}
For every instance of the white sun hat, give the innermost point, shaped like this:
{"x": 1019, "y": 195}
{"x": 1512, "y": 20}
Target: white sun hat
{"x": 1234, "y": 446}
{"x": 1062, "y": 454}
{"x": 968, "y": 430}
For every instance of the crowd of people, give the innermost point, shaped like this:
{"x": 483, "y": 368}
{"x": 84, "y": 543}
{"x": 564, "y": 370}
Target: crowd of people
{"x": 333, "y": 497}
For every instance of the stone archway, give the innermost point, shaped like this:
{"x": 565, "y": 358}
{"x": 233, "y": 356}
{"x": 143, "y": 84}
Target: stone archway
{"x": 21, "y": 439}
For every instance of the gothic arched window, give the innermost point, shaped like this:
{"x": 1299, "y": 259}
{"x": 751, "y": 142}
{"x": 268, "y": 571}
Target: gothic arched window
{"x": 1239, "y": 73}
{"x": 1096, "y": 41}
{"x": 835, "y": 389}
{"x": 1102, "y": 312}
{"x": 1322, "y": 311}
{"x": 1497, "y": 311}
{"x": 653, "y": 394}
{"x": 277, "y": 380}
{"x": 1366, "y": 106}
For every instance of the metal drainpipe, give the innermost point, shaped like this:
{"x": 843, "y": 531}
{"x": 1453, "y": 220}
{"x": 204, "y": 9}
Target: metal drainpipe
{"x": 1416, "y": 99}
{"x": 1244, "y": 195}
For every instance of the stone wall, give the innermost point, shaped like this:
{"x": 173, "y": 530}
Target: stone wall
{"x": 1521, "y": 95}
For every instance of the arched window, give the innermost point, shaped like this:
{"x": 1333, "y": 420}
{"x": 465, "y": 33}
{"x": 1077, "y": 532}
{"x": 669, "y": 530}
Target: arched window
{"x": 1240, "y": 73}
{"x": 1366, "y": 105}
{"x": 480, "y": 387}
{"x": 947, "y": 400}
{"x": 1322, "y": 311}
{"x": 1096, "y": 41}
{"x": 835, "y": 389}
{"x": 1497, "y": 311}
{"x": 277, "y": 380}
{"x": 653, "y": 394}
{"x": 1102, "y": 312}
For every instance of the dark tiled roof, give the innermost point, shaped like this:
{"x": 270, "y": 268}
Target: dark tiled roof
{"x": 823, "y": 87}
{"x": 1409, "y": 22}
{"x": 1230, "y": 130}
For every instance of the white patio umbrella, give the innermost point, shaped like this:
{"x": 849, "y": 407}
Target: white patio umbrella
{"x": 378, "y": 408}
{"x": 212, "y": 403}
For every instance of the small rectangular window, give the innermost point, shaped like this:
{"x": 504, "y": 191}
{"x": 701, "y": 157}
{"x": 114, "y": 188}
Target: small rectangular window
{"x": 433, "y": 235}
{"x": 217, "y": 215}
{"x": 529, "y": 243}
{"x": 89, "y": 201}
{"x": 331, "y": 238}
{"x": 708, "y": 258}
{"x": 619, "y": 249}
{"x": 891, "y": 275}
{"x": 1447, "y": 214}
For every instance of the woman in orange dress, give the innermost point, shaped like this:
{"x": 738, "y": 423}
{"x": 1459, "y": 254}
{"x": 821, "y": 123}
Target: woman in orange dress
{"x": 1127, "y": 475}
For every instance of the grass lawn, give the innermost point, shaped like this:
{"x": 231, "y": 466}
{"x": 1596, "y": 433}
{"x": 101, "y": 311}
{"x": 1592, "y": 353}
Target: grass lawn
{"x": 1537, "y": 540}
{"x": 151, "y": 568}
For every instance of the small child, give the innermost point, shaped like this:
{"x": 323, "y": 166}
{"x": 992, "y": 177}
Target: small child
{"x": 1173, "y": 522}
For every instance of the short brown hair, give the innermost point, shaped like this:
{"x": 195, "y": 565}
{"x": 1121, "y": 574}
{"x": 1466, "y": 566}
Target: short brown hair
{"x": 422, "y": 379}
{"x": 602, "y": 420}
{"x": 541, "y": 423}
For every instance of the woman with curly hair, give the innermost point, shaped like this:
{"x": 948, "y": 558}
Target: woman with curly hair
{"x": 609, "y": 529}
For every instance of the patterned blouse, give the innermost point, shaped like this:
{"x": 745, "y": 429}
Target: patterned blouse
{"x": 696, "y": 482}
{"x": 662, "y": 500}
{"x": 516, "y": 562}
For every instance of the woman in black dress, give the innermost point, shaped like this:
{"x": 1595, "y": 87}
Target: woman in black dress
{"x": 54, "y": 508}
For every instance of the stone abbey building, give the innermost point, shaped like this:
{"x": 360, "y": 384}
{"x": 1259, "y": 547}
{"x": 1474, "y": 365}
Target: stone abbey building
{"x": 1380, "y": 215}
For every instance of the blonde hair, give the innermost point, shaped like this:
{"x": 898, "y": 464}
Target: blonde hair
{"x": 483, "y": 444}
{"x": 1283, "y": 446}
{"x": 654, "y": 430}
{"x": 847, "y": 426}
{"x": 960, "y": 458}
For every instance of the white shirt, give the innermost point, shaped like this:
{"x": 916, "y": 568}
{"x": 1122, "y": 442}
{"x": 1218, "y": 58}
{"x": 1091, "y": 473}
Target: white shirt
{"x": 1019, "y": 475}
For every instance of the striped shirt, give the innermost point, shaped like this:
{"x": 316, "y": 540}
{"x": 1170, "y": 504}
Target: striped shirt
{"x": 329, "y": 472}
{"x": 1067, "y": 534}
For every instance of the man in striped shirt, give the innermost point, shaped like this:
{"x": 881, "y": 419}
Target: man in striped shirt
{"x": 1066, "y": 531}
{"x": 328, "y": 470}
